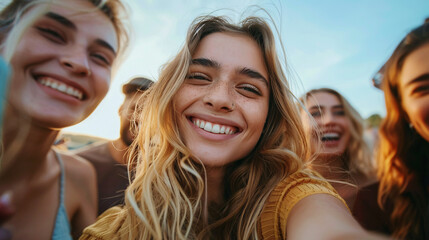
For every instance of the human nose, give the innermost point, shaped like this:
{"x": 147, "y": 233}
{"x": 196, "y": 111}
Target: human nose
{"x": 219, "y": 97}
{"x": 76, "y": 62}
{"x": 328, "y": 118}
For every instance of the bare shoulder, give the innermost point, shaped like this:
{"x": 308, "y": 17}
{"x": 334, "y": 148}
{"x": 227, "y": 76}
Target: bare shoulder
{"x": 80, "y": 177}
{"x": 77, "y": 167}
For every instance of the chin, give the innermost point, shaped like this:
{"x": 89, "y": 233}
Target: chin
{"x": 331, "y": 153}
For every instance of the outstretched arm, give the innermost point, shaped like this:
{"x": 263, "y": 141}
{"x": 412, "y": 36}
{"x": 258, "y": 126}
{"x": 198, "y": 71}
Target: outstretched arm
{"x": 322, "y": 216}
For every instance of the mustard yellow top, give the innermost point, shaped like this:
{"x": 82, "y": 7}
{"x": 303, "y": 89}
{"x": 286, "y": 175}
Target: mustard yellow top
{"x": 273, "y": 220}
{"x": 272, "y": 223}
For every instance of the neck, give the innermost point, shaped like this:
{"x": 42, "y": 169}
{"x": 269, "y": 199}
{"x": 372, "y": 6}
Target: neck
{"x": 118, "y": 150}
{"x": 215, "y": 185}
{"x": 26, "y": 146}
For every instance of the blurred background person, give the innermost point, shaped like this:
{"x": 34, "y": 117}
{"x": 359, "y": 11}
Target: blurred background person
{"x": 62, "y": 55}
{"x": 403, "y": 153}
{"x": 110, "y": 158}
{"x": 335, "y": 131}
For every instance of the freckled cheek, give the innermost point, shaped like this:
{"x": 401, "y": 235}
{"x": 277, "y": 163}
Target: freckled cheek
{"x": 256, "y": 116}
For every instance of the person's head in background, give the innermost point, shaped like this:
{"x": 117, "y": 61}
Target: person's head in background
{"x": 335, "y": 130}
{"x": 132, "y": 90}
{"x": 52, "y": 42}
{"x": 404, "y": 135}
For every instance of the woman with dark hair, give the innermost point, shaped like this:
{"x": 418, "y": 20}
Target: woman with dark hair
{"x": 61, "y": 54}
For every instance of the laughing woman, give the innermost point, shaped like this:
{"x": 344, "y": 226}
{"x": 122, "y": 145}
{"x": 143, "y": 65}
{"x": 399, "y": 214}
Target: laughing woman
{"x": 219, "y": 153}
{"x": 61, "y": 55}
{"x": 335, "y": 131}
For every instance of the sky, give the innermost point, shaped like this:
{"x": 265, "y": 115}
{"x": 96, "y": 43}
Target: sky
{"x": 331, "y": 43}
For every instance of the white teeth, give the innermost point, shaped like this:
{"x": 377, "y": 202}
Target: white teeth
{"x": 212, "y": 127}
{"x": 69, "y": 90}
{"x": 208, "y": 127}
{"x": 216, "y": 128}
{"x": 331, "y": 135}
{"x": 222, "y": 129}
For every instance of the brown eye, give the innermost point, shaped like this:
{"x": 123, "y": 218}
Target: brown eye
{"x": 316, "y": 114}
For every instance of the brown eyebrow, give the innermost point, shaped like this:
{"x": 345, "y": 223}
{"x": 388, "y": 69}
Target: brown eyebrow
{"x": 106, "y": 45}
{"x": 62, "y": 20}
{"x": 245, "y": 71}
{"x": 69, "y": 24}
{"x": 318, "y": 107}
{"x": 205, "y": 62}
{"x": 253, "y": 74}
{"x": 323, "y": 107}
{"x": 421, "y": 78}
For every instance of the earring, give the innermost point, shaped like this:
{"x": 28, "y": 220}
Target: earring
{"x": 411, "y": 126}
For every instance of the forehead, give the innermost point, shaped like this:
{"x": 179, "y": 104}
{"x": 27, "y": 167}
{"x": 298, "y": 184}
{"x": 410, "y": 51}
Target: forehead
{"x": 324, "y": 99}
{"x": 415, "y": 64}
{"x": 232, "y": 50}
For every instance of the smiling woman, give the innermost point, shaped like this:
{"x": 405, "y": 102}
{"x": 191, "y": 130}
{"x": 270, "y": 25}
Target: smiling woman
{"x": 220, "y": 149}
{"x": 61, "y": 54}
{"x": 335, "y": 131}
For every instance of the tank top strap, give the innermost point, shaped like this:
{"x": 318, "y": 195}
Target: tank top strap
{"x": 62, "y": 230}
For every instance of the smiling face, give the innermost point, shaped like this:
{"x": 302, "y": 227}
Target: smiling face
{"x": 414, "y": 89}
{"x": 62, "y": 65}
{"x": 223, "y": 104}
{"x": 329, "y": 114}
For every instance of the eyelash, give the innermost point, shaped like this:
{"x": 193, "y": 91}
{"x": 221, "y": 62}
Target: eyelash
{"x": 53, "y": 35}
{"x": 421, "y": 89}
{"x": 251, "y": 88}
{"x": 198, "y": 76}
{"x": 101, "y": 58}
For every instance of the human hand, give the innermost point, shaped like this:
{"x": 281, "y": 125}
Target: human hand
{"x": 6, "y": 212}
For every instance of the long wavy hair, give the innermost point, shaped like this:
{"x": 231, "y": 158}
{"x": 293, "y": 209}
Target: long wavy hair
{"x": 357, "y": 156}
{"x": 167, "y": 198}
{"x": 402, "y": 154}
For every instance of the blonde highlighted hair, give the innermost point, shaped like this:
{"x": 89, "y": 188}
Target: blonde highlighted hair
{"x": 357, "y": 156}
{"x": 166, "y": 199}
{"x": 402, "y": 154}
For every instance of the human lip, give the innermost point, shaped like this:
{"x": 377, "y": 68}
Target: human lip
{"x": 216, "y": 126}
{"x": 330, "y": 136}
{"x": 61, "y": 85}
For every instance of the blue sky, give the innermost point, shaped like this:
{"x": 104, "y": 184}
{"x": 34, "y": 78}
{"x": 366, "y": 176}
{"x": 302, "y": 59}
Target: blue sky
{"x": 330, "y": 43}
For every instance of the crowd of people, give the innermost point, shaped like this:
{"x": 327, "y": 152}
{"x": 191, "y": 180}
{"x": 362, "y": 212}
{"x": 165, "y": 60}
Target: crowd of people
{"x": 218, "y": 147}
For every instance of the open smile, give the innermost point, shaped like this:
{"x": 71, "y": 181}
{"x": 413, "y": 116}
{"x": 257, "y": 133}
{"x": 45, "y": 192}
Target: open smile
{"x": 214, "y": 127}
{"x": 60, "y": 87}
